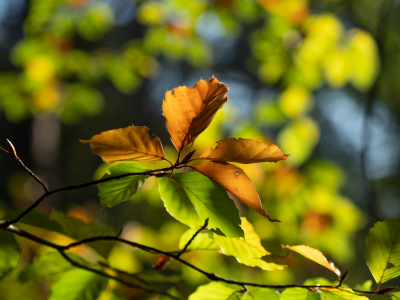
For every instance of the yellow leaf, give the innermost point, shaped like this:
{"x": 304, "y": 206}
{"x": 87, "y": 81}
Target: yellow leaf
{"x": 235, "y": 181}
{"x": 189, "y": 111}
{"x": 129, "y": 143}
{"x": 343, "y": 293}
{"x": 314, "y": 255}
{"x": 245, "y": 151}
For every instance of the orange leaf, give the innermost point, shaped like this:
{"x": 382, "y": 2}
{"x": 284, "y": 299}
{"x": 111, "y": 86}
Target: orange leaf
{"x": 314, "y": 255}
{"x": 245, "y": 151}
{"x": 129, "y": 143}
{"x": 189, "y": 111}
{"x": 235, "y": 181}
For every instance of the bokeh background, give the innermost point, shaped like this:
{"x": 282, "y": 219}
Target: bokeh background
{"x": 318, "y": 78}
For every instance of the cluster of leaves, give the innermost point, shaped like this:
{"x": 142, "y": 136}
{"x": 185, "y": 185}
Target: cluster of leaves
{"x": 198, "y": 199}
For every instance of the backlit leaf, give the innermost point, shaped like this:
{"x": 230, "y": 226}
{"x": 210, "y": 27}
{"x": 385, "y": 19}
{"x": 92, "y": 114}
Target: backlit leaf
{"x": 189, "y": 111}
{"x": 201, "y": 242}
{"x": 382, "y": 254}
{"x": 299, "y": 294}
{"x": 114, "y": 192}
{"x": 260, "y": 294}
{"x": 77, "y": 284}
{"x": 177, "y": 202}
{"x": 235, "y": 181}
{"x": 129, "y": 143}
{"x": 209, "y": 199}
{"x": 9, "y": 253}
{"x": 395, "y": 295}
{"x": 247, "y": 251}
{"x": 245, "y": 151}
{"x": 80, "y": 230}
{"x": 314, "y": 255}
{"x": 214, "y": 291}
{"x": 47, "y": 266}
{"x": 339, "y": 294}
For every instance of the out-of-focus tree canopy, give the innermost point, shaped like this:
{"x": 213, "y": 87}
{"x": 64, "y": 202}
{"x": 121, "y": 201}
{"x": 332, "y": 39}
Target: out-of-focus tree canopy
{"x": 317, "y": 78}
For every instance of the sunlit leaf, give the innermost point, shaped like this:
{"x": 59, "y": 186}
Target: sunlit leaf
{"x": 395, "y": 295}
{"x": 77, "y": 284}
{"x": 299, "y": 294}
{"x": 79, "y": 230}
{"x": 314, "y": 255}
{"x": 189, "y": 111}
{"x": 47, "y": 266}
{"x": 9, "y": 253}
{"x": 245, "y": 151}
{"x": 37, "y": 219}
{"x": 114, "y": 192}
{"x": 260, "y": 294}
{"x": 214, "y": 291}
{"x": 247, "y": 251}
{"x": 177, "y": 202}
{"x": 234, "y": 180}
{"x": 382, "y": 255}
{"x": 129, "y": 143}
{"x": 339, "y": 294}
{"x": 209, "y": 199}
{"x": 201, "y": 242}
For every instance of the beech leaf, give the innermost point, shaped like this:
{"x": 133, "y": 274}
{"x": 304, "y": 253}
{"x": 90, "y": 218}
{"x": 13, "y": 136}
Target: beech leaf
{"x": 129, "y": 143}
{"x": 249, "y": 251}
{"x": 314, "y": 255}
{"x": 209, "y": 201}
{"x": 340, "y": 293}
{"x": 299, "y": 294}
{"x": 189, "y": 111}
{"x": 245, "y": 151}
{"x": 382, "y": 254}
{"x": 234, "y": 180}
{"x": 214, "y": 291}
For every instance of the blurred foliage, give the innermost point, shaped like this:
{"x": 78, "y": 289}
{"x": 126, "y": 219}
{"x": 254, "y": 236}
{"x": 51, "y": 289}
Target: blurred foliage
{"x": 73, "y": 50}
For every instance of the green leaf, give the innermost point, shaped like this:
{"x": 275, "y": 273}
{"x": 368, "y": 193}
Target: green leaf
{"x": 260, "y": 294}
{"x": 9, "y": 253}
{"x": 47, "y": 266}
{"x": 213, "y": 291}
{"x": 114, "y": 192}
{"x": 210, "y": 200}
{"x": 366, "y": 286}
{"x": 340, "y": 294}
{"x": 382, "y": 253}
{"x": 177, "y": 203}
{"x": 202, "y": 241}
{"x": 395, "y": 296}
{"x": 77, "y": 284}
{"x": 80, "y": 230}
{"x": 299, "y": 294}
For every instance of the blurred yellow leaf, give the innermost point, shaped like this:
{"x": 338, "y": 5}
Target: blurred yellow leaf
{"x": 40, "y": 68}
{"x": 295, "y": 100}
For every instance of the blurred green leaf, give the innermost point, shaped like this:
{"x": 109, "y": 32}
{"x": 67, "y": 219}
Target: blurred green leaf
{"x": 299, "y": 294}
{"x": 114, "y": 192}
{"x": 260, "y": 294}
{"x": 37, "y": 219}
{"x": 9, "y": 253}
{"x": 79, "y": 230}
{"x": 382, "y": 253}
{"x": 214, "y": 291}
{"x": 339, "y": 294}
{"x": 210, "y": 200}
{"x": 77, "y": 284}
{"x": 47, "y": 266}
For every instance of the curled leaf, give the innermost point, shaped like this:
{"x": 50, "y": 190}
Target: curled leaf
{"x": 189, "y": 111}
{"x": 245, "y": 151}
{"x": 235, "y": 181}
{"x": 129, "y": 143}
{"x": 314, "y": 255}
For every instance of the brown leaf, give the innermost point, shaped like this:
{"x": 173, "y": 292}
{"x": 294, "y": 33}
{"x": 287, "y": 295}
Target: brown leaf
{"x": 314, "y": 255}
{"x": 162, "y": 262}
{"x": 129, "y": 143}
{"x": 189, "y": 111}
{"x": 245, "y": 151}
{"x": 235, "y": 181}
